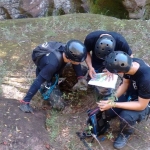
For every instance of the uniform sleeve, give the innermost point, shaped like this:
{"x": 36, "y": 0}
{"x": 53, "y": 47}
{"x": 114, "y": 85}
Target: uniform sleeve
{"x": 34, "y": 88}
{"x": 144, "y": 90}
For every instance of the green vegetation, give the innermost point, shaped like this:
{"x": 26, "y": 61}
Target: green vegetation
{"x": 19, "y": 37}
{"x": 113, "y": 8}
{"x": 52, "y": 124}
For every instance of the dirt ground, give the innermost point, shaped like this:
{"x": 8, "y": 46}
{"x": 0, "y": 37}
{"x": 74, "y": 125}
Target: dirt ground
{"x": 47, "y": 129}
{"x": 52, "y": 130}
{"x": 19, "y": 130}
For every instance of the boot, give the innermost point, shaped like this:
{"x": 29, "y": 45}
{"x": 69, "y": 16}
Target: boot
{"x": 26, "y": 108}
{"x": 123, "y": 137}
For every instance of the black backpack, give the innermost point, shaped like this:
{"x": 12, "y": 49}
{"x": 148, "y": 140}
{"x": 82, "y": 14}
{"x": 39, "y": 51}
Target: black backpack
{"x": 45, "y": 48}
{"x": 97, "y": 121}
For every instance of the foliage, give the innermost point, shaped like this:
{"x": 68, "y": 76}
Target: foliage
{"x": 88, "y": 130}
{"x": 113, "y": 8}
{"x": 52, "y": 124}
{"x": 19, "y": 37}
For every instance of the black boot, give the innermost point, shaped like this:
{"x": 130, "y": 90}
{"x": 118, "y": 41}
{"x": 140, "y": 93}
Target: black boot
{"x": 123, "y": 137}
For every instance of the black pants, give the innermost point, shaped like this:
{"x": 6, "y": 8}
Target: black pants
{"x": 130, "y": 116}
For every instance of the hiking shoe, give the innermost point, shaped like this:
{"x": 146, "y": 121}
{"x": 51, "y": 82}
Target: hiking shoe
{"x": 121, "y": 140}
{"x": 26, "y": 108}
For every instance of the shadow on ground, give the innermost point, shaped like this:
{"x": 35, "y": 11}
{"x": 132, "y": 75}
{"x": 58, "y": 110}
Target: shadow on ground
{"x": 20, "y": 130}
{"x": 25, "y": 131}
{"x": 48, "y": 129}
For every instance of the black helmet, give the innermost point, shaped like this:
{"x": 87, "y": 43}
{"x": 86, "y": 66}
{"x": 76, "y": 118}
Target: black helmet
{"x": 75, "y": 51}
{"x": 104, "y": 46}
{"x": 118, "y": 61}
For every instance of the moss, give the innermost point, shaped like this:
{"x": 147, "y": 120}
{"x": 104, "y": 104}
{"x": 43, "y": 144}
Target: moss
{"x": 113, "y": 8}
{"x": 50, "y": 9}
{"x": 146, "y": 15}
{"x": 77, "y": 7}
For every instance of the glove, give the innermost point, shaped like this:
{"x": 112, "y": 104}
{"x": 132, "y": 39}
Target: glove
{"x": 80, "y": 85}
{"x": 25, "y": 107}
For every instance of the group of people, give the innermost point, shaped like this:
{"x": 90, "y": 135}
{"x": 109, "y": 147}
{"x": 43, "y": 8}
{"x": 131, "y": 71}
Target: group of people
{"x": 101, "y": 50}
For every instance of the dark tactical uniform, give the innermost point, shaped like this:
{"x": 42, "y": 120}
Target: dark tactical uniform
{"x": 47, "y": 67}
{"x": 98, "y": 64}
{"x": 90, "y": 41}
{"x": 139, "y": 87}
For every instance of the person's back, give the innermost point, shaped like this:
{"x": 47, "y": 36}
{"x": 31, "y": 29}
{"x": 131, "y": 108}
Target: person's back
{"x": 140, "y": 82}
{"x": 101, "y": 43}
{"x": 121, "y": 43}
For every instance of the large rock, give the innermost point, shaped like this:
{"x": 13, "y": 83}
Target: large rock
{"x": 36, "y": 8}
{"x": 146, "y": 15}
{"x": 135, "y": 8}
{"x": 126, "y": 9}
{"x": 14, "y": 9}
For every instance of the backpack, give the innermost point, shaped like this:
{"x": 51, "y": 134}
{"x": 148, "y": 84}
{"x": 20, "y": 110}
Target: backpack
{"x": 97, "y": 122}
{"x": 45, "y": 48}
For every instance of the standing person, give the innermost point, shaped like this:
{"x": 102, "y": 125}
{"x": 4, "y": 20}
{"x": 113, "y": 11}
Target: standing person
{"x": 133, "y": 104}
{"x": 101, "y": 43}
{"x": 52, "y": 63}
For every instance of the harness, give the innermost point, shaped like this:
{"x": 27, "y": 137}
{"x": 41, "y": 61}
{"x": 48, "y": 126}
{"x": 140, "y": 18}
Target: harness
{"x": 47, "y": 90}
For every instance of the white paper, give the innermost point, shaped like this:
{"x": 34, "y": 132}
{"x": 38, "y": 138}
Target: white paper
{"x": 100, "y": 80}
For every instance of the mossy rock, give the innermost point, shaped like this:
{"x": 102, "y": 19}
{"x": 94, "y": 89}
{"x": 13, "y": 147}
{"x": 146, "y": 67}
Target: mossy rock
{"x": 113, "y": 8}
{"x": 146, "y": 15}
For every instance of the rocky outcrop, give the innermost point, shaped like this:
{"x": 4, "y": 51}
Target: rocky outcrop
{"x": 14, "y": 9}
{"x": 135, "y": 8}
{"x": 132, "y": 9}
{"x": 146, "y": 15}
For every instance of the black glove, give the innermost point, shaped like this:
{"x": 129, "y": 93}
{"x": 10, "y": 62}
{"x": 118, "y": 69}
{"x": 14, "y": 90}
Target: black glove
{"x": 82, "y": 84}
{"x": 26, "y": 108}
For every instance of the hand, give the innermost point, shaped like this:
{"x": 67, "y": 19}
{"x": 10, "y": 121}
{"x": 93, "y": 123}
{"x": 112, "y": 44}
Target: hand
{"x": 109, "y": 76}
{"x": 92, "y": 72}
{"x": 104, "y": 105}
{"x": 80, "y": 85}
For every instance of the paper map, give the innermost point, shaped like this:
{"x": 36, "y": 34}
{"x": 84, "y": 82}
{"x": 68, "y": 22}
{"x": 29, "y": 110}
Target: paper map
{"x": 100, "y": 80}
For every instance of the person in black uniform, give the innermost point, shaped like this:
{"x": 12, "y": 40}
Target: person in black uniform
{"x": 132, "y": 105}
{"x": 101, "y": 43}
{"x": 52, "y": 63}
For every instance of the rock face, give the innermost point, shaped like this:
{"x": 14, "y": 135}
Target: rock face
{"x": 146, "y": 15}
{"x": 34, "y": 8}
{"x": 135, "y": 8}
{"x": 14, "y": 9}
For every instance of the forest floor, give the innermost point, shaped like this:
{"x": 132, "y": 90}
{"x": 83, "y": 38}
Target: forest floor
{"x": 48, "y": 129}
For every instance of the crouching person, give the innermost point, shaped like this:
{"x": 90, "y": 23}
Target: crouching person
{"x": 133, "y": 104}
{"x": 49, "y": 65}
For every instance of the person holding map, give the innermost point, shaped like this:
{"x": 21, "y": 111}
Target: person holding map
{"x": 132, "y": 105}
{"x": 101, "y": 43}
